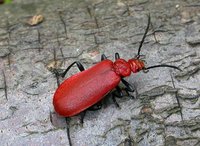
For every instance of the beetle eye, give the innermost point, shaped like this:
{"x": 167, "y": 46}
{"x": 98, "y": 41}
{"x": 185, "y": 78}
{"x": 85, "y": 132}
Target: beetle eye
{"x": 144, "y": 61}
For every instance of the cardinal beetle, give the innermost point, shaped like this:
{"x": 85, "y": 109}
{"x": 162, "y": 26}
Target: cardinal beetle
{"x": 84, "y": 90}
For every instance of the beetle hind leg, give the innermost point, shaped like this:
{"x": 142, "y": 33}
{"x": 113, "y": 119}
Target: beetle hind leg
{"x": 68, "y": 130}
{"x": 79, "y": 65}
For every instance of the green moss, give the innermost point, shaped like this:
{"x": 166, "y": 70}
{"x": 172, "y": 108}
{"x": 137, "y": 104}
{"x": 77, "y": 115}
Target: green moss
{"x": 7, "y": 1}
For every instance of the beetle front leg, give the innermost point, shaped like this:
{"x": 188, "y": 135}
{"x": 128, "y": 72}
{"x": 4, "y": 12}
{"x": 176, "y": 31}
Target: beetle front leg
{"x": 79, "y": 65}
{"x": 129, "y": 88}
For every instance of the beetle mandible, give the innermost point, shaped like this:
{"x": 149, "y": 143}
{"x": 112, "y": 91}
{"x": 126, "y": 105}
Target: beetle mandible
{"x": 87, "y": 88}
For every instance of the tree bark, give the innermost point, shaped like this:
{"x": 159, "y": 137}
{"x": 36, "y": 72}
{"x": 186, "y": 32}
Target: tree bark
{"x": 83, "y": 30}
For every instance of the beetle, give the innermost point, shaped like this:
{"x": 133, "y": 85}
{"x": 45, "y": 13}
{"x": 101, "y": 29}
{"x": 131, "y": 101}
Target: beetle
{"x": 85, "y": 90}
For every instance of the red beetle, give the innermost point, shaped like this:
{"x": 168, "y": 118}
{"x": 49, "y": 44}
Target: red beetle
{"x": 87, "y": 88}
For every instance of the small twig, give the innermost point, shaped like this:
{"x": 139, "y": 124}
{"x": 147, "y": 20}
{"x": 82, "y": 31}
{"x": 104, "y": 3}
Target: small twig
{"x": 8, "y": 56}
{"x": 9, "y": 62}
{"x": 64, "y": 24}
{"x": 95, "y": 40}
{"x": 55, "y": 70}
{"x": 177, "y": 99}
{"x": 61, "y": 51}
{"x": 39, "y": 40}
{"x": 8, "y": 28}
{"x": 128, "y": 9}
{"x": 5, "y": 86}
{"x": 89, "y": 11}
{"x": 96, "y": 21}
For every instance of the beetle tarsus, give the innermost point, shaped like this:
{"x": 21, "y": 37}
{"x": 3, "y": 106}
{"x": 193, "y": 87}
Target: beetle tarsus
{"x": 115, "y": 101}
{"x": 56, "y": 73}
{"x": 129, "y": 95}
{"x": 68, "y": 131}
{"x": 117, "y": 56}
{"x": 103, "y": 57}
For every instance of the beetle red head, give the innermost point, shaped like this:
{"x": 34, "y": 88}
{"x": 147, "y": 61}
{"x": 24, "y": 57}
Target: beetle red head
{"x": 136, "y": 65}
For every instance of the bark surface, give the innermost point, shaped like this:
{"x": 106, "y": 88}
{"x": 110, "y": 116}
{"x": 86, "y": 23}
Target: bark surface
{"x": 83, "y": 30}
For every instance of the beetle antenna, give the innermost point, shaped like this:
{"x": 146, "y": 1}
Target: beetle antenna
{"x": 144, "y": 36}
{"x": 163, "y": 65}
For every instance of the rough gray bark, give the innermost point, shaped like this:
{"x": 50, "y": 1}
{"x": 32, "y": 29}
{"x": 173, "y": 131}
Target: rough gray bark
{"x": 83, "y": 30}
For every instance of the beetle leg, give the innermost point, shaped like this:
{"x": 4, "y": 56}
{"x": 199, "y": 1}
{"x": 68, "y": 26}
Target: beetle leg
{"x": 129, "y": 88}
{"x": 68, "y": 131}
{"x": 115, "y": 101}
{"x": 79, "y": 65}
{"x": 95, "y": 107}
{"x": 82, "y": 116}
{"x": 117, "y": 56}
{"x": 103, "y": 57}
{"x": 118, "y": 94}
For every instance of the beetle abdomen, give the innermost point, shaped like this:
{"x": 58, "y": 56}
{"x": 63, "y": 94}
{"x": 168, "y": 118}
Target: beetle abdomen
{"x": 84, "y": 89}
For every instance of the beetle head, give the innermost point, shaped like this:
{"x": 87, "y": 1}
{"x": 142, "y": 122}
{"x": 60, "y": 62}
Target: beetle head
{"x": 136, "y": 65}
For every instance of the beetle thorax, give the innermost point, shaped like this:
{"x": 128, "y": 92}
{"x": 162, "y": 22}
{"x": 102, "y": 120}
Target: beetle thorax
{"x": 122, "y": 67}
{"x": 136, "y": 65}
